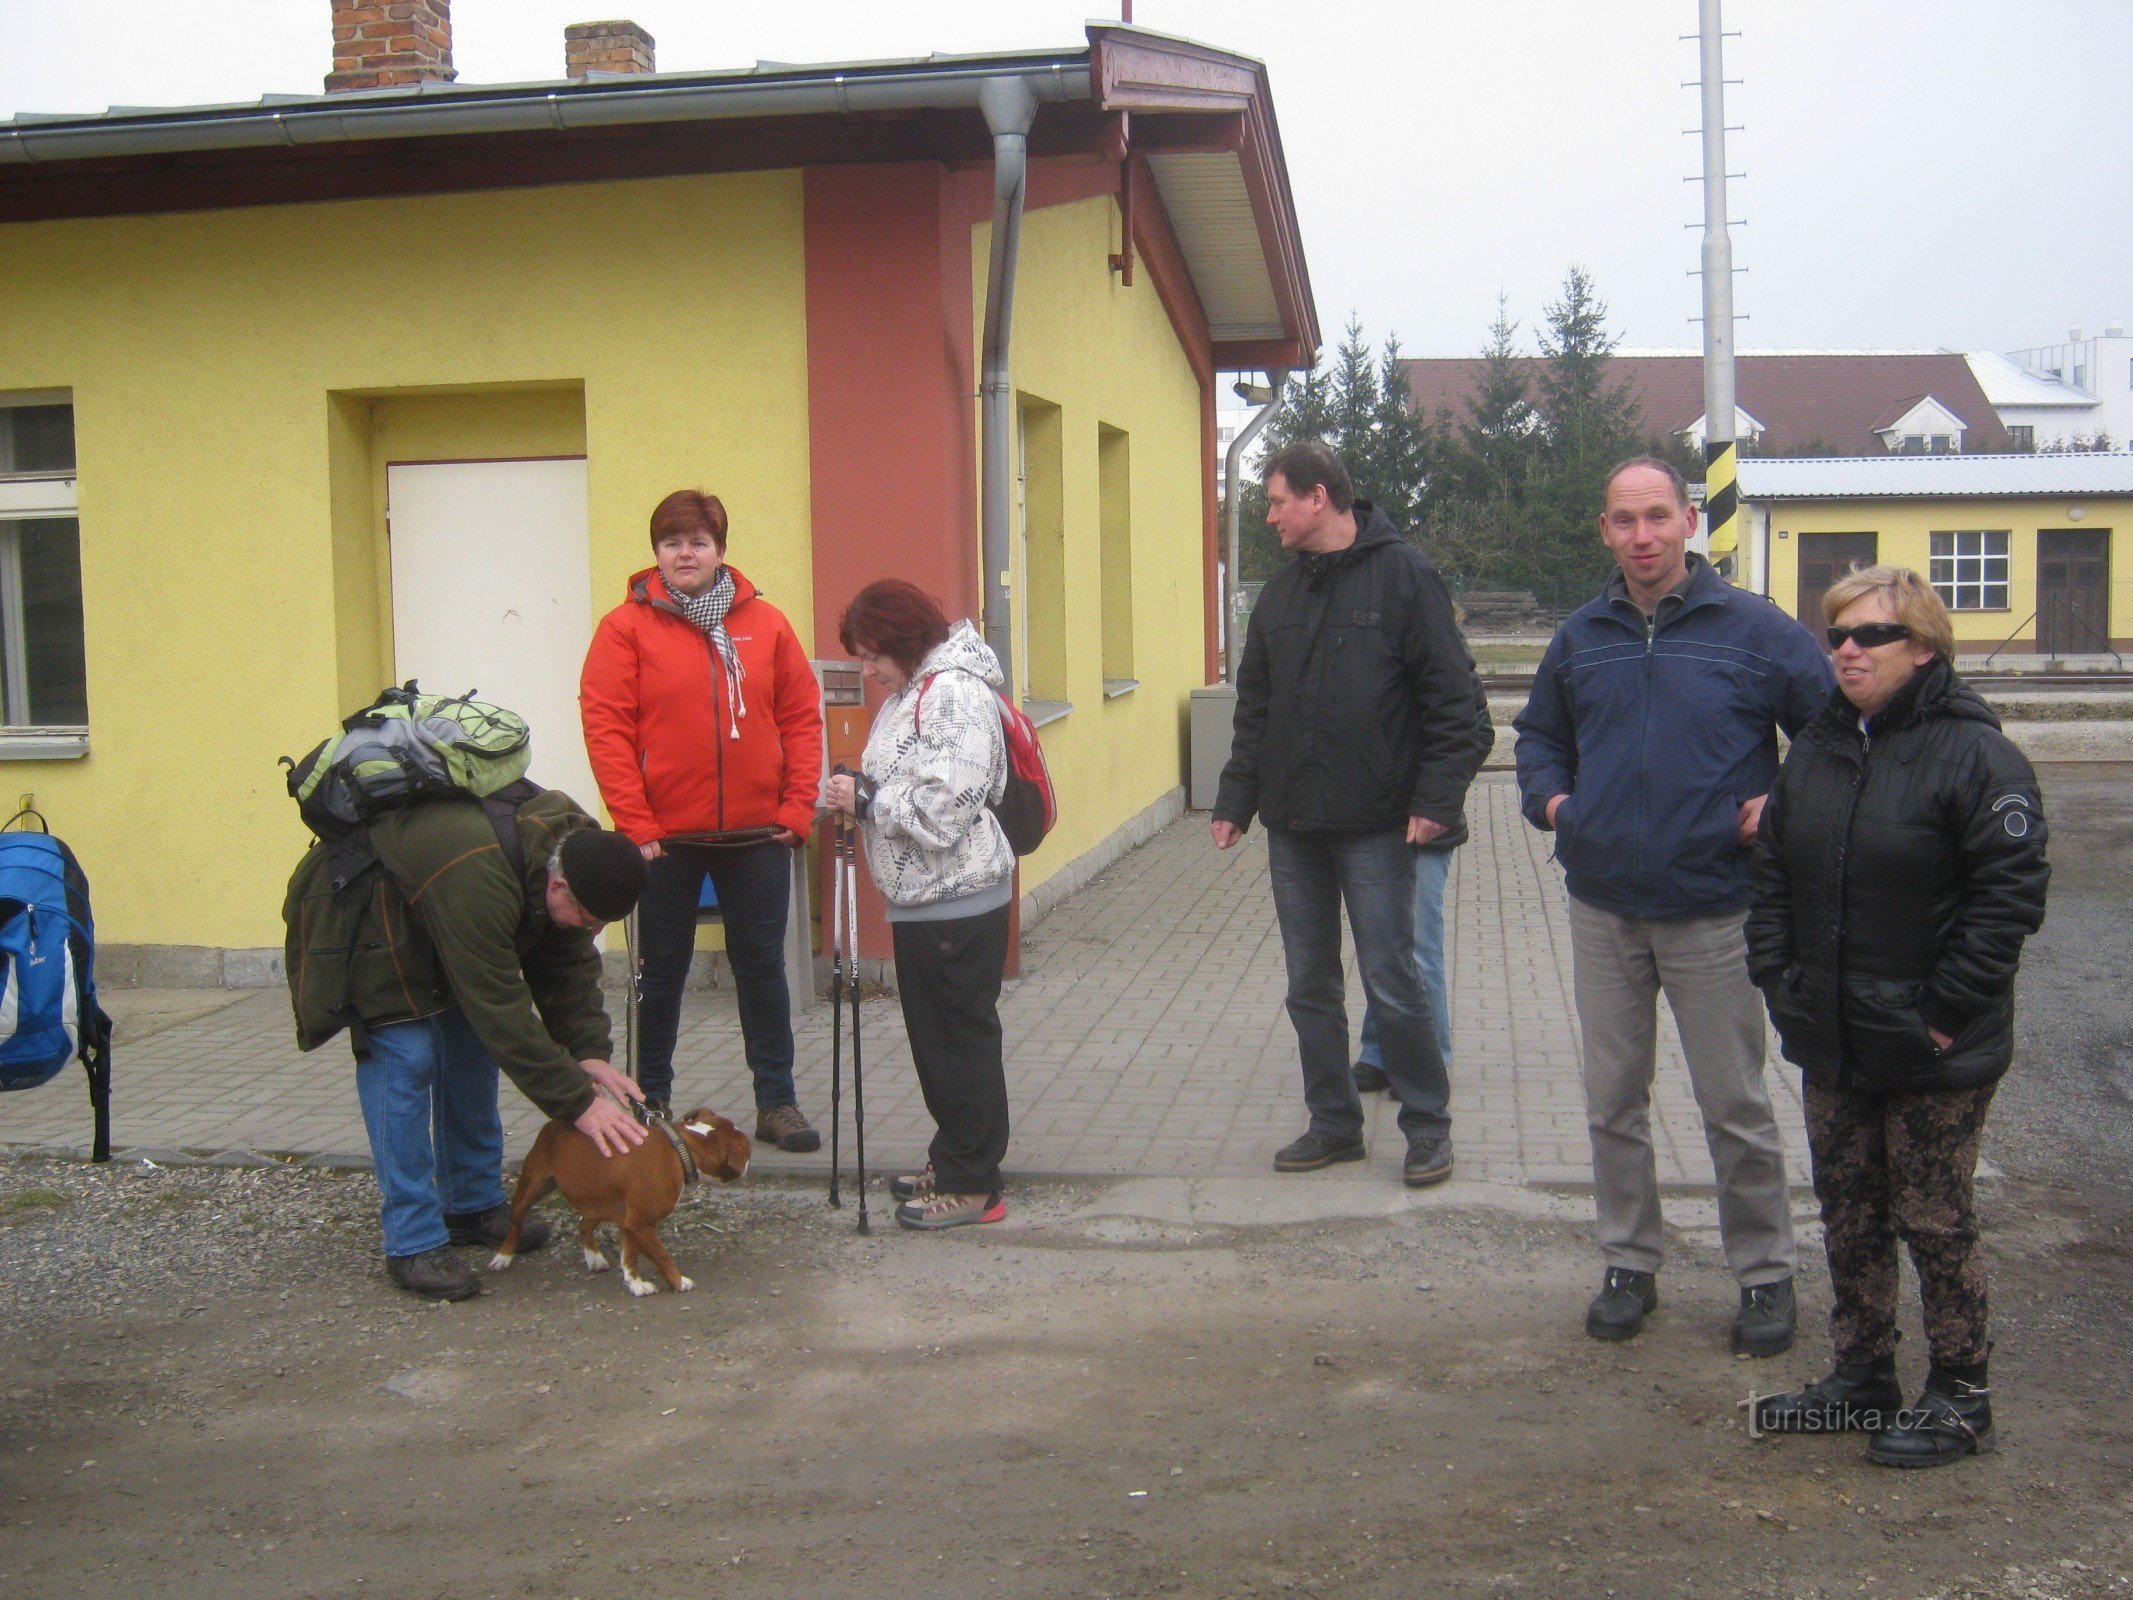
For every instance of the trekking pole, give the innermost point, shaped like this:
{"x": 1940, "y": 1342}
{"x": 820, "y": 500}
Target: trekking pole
{"x": 859, "y": 1096}
{"x": 630, "y": 995}
{"x": 836, "y": 999}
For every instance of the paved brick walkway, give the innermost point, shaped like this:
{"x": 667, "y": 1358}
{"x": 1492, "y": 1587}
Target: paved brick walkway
{"x": 1146, "y": 1037}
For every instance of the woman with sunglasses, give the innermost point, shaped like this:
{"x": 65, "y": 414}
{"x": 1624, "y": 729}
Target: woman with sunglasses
{"x": 1899, "y": 868}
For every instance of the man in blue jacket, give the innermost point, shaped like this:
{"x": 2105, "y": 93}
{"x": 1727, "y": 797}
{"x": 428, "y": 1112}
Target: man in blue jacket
{"x": 1648, "y": 746}
{"x": 1357, "y": 735}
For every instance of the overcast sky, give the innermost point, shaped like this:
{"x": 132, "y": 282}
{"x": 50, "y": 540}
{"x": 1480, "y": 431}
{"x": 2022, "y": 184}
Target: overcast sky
{"x": 1919, "y": 173}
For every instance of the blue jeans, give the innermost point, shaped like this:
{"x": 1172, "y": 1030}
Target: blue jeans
{"x": 1313, "y": 874}
{"x": 1431, "y": 869}
{"x": 754, "y": 886}
{"x": 429, "y": 1101}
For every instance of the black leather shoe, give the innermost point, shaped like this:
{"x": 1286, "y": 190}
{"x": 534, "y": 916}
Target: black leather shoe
{"x": 1952, "y": 1419}
{"x": 1625, "y": 1299}
{"x": 435, "y": 1275}
{"x": 487, "y": 1228}
{"x": 1767, "y": 1320}
{"x": 1315, "y": 1150}
{"x": 1369, "y": 1078}
{"x": 1860, "y": 1396}
{"x": 1429, "y": 1160}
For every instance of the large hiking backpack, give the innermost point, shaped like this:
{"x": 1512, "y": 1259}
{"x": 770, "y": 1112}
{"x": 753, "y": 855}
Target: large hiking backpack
{"x": 1028, "y": 810}
{"x": 405, "y": 748}
{"x": 48, "y": 1010}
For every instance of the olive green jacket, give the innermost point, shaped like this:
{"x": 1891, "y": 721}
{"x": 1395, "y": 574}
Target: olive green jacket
{"x": 444, "y": 923}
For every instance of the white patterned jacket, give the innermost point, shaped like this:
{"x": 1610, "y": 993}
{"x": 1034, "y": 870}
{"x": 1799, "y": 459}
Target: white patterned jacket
{"x": 938, "y": 759}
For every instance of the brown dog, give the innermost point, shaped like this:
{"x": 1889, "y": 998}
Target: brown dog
{"x": 636, "y": 1191}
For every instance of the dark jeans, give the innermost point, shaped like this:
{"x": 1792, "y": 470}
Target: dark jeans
{"x": 948, "y": 977}
{"x": 753, "y": 885}
{"x": 1374, "y": 875}
{"x": 1903, "y": 1168}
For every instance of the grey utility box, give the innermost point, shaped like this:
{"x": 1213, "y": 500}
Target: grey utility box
{"x": 1214, "y": 714}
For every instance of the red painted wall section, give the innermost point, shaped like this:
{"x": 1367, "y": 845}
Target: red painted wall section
{"x": 891, "y": 446}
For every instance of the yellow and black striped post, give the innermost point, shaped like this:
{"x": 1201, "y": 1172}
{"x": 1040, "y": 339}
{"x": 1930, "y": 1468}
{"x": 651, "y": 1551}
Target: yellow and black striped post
{"x": 1721, "y": 498}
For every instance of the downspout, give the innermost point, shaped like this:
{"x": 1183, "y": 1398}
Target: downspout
{"x": 1232, "y": 514}
{"x": 1009, "y": 109}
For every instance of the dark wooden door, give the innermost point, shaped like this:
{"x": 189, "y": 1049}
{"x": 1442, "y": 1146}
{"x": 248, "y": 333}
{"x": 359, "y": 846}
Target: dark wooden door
{"x": 2073, "y": 590}
{"x": 1824, "y": 558}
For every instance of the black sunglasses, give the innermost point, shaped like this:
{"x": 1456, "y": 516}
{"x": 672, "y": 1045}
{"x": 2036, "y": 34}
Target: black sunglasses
{"x": 1868, "y": 634}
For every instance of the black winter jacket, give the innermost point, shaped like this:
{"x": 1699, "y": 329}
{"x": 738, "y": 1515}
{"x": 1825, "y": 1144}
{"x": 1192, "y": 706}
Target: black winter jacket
{"x": 1896, "y": 876}
{"x": 1357, "y": 702}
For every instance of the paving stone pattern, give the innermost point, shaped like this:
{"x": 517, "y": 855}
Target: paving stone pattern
{"x": 1146, "y": 1036}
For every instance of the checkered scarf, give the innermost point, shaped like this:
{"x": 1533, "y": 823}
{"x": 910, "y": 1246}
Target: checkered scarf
{"x": 708, "y": 611}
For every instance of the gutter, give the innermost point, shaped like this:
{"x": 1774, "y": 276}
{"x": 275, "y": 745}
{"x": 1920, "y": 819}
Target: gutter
{"x": 1232, "y": 514}
{"x": 1009, "y": 109}
{"x": 404, "y": 114}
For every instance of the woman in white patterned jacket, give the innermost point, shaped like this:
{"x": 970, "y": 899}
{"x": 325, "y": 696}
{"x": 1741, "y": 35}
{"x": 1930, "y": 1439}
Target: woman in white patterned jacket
{"x": 935, "y": 762}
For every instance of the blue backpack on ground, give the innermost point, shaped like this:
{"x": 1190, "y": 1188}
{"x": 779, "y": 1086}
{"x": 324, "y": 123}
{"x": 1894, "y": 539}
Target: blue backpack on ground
{"x": 48, "y": 1010}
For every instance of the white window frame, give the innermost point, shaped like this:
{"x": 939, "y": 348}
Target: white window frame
{"x": 30, "y": 497}
{"x": 1972, "y": 566}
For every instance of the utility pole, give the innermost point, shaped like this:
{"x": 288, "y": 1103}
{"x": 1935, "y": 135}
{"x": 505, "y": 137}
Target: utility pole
{"x": 1721, "y": 492}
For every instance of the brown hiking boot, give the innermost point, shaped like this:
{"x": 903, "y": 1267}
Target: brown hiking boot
{"x": 435, "y": 1275}
{"x": 787, "y": 1128}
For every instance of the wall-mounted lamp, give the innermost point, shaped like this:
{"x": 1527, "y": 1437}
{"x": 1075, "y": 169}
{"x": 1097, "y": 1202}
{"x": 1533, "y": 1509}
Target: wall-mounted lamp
{"x": 1784, "y": 533}
{"x": 1256, "y": 394}
{"x": 2076, "y": 513}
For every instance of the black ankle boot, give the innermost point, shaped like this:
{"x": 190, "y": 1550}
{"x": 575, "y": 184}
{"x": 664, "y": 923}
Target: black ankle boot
{"x": 1861, "y": 1396}
{"x": 1952, "y": 1419}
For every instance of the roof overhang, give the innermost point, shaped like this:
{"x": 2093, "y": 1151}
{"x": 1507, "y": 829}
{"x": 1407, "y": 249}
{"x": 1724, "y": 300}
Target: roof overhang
{"x": 1201, "y": 119}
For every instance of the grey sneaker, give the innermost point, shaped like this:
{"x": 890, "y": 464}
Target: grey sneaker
{"x": 1429, "y": 1160}
{"x": 1626, "y": 1297}
{"x": 913, "y": 1185}
{"x": 487, "y": 1228}
{"x": 435, "y": 1275}
{"x": 787, "y": 1128}
{"x": 951, "y": 1210}
{"x": 1767, "y": 1319}
{"x": 1315, "y": 1150}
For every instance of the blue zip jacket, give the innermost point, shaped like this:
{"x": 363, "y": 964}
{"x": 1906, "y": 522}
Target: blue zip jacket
{"x": 1657, "y": 729}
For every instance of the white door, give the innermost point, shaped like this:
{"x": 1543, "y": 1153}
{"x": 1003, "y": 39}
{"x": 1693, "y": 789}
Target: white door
{"x": 492, "y": 591}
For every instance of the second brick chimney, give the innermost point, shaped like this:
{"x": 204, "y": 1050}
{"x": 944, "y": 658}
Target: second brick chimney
{"x": 606, "y": 47}
{"x": 377, "y": 43}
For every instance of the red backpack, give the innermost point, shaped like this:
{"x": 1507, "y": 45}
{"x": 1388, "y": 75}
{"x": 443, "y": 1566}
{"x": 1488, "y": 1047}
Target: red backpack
{"x": 1028, "y": 810}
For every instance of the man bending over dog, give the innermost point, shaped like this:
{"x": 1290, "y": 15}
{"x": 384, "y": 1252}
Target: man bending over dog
{"x": 446, "y": 959}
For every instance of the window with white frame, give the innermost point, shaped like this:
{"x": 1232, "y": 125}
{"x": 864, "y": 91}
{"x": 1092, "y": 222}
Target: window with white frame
{"x": 1970, "y": 569}
{"x": 44, "y": 700}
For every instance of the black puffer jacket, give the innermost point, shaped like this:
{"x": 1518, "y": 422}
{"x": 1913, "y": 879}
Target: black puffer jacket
{"x": 1896, "y": 876}
{"x": 1357, "y": 702}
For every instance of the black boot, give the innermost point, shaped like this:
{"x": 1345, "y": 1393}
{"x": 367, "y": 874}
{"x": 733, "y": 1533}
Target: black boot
{"x": 1952, "y": 1419}
{"x": 1859, "y": 1395}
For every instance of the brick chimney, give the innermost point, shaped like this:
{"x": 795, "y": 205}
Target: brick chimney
{"x": 606, "y": 47}
{"x": 377, "y": 43}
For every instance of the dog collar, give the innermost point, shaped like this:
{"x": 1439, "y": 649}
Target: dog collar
{"x": 689, "y": 1173}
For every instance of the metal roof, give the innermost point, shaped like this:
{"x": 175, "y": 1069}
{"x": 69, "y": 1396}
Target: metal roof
{"x": 2007, "y": 382}
{"x": 1974, "y": 477}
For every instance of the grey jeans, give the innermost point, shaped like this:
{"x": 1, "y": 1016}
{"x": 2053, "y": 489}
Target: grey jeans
{"x": 1701, "y": 963}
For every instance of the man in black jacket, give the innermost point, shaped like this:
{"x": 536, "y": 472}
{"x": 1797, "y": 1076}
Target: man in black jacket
{"x": 1356, "y": 739}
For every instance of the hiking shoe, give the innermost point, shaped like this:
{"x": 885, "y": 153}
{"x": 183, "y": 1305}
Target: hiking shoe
{"x": 487, "y": 1229}
{"x": 1369, "y": 1078}
{"x": 1858, "y": 1396}
{"x": 787, "y": 1128}
{"x": 1952, "y": 1419}
{"x": 951, "y": 1210}
{"x": 1315, "y": 1150}
{"x": 435, "y": 1275}
{"x": 1429, "y": 1160}
{"x": 1626, "y": 1297}
{"x": 1767, "y": 1319}
{"x": 913, "y": 1185}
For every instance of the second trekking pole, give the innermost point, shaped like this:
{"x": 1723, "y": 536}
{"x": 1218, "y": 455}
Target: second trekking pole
{"x": 850, "y": 897}
{"x": 836, "y": 938}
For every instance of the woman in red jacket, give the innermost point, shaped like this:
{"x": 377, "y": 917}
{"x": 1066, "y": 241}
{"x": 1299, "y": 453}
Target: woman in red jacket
{"x": 702, "y": 716}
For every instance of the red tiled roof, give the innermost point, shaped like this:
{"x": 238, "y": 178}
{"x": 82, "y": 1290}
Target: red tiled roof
{"x": 1831, "y": 401}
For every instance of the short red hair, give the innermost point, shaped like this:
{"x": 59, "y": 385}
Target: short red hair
{"x": 690, "y": 511}
{"x": 892, "y": 618}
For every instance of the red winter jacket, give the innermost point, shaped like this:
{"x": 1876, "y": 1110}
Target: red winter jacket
{"x": 669, "y": 755}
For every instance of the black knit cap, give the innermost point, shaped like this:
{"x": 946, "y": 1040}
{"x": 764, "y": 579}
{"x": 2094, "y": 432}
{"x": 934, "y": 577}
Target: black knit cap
{"x": 604, "y": 872}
